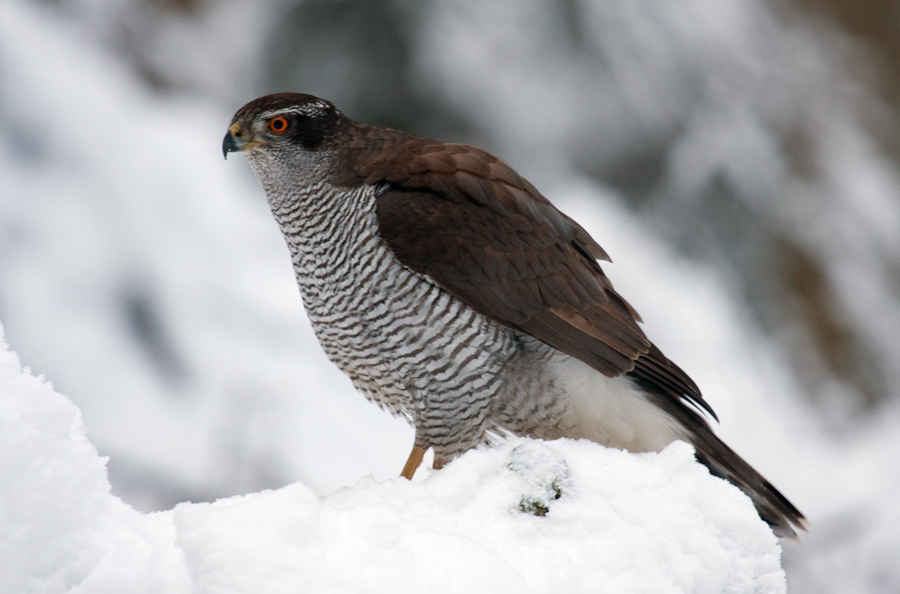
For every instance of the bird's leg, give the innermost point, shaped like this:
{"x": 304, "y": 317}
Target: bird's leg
{"x": 412, "y": 463}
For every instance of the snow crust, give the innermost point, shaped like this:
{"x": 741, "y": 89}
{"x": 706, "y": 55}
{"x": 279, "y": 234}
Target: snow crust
{"x": 528, "y": 516}
{"x": 60, "y": 528}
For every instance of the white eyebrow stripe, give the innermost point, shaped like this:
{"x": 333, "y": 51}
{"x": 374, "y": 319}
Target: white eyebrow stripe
{"x": 308, "y": 110}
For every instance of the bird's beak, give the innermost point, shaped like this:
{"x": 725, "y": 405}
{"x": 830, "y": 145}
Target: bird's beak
{"x": 234, "y": 141}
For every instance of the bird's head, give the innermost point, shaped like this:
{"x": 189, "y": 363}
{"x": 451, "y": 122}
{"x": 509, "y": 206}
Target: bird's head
{"x": 285, "y": 130}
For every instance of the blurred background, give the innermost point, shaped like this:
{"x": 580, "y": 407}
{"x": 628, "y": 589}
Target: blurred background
{"x": 738, "y": 159}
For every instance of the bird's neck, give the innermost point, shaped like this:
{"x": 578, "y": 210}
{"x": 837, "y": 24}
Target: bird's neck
{"x": 327, "y": 229}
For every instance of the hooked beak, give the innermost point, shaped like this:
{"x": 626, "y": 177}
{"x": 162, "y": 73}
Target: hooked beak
{"x": 230, "y": 144}
{"x": 233, "y": 142}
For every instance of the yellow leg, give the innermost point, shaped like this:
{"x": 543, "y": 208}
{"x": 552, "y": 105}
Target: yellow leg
{"x": 412, "y": 463}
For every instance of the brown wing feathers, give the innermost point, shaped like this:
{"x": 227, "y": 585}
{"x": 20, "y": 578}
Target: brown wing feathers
{"x": 467, "y": 220}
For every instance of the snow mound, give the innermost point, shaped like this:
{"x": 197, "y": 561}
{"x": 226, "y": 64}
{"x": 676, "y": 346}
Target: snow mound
{"x": 60, "y": 529}
{"x": 527, "y": 516}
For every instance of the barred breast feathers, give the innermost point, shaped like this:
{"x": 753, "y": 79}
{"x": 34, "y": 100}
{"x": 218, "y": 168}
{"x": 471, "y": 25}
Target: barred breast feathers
{"x": 407, "y": 344}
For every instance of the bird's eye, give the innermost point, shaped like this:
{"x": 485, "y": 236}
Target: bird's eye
{"x": 278, "y": 125}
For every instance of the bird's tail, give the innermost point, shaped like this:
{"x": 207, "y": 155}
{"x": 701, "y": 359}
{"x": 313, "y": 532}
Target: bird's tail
{"x": 722, "y": 461}
{"x": 669, "y": 388}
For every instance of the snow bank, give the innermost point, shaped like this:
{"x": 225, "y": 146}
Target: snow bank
{"x": 527, "y": 516}
{"x": 60, "y": 529}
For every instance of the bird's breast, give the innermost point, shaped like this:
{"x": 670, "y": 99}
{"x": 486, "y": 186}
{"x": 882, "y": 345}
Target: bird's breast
{"x": 402, "y": 340}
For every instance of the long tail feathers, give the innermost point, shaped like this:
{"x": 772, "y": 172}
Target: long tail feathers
{"x": 772, "y": 506}
{"x": 722, "y": 461}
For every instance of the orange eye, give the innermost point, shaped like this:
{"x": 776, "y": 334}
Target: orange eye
{"x": 278, "y": 125}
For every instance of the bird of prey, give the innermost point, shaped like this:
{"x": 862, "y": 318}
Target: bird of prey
{"x": 453, "y": 293}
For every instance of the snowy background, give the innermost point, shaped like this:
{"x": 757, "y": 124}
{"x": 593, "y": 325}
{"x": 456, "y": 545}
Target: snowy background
{"x": 737, "y": 159}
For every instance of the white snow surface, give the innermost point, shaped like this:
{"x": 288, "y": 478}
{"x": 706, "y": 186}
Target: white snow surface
{"x": 609, "y": 520}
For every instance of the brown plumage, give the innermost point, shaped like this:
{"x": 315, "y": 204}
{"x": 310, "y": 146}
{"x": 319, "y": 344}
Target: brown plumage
{"x": 465, "y": 222}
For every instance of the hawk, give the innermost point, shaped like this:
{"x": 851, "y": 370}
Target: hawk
{"x": 453, "y": 293}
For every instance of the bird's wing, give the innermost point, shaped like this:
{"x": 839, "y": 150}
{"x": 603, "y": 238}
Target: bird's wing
{"x": 469, "y": 222}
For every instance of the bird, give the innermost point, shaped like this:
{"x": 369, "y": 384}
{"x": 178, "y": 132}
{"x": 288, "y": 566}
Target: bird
{"x": 454, "y": 294}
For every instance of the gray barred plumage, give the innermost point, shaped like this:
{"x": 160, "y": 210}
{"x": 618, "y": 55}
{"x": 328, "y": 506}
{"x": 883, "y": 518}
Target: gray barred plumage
{"x": 405, "y": 344}
{"x": 453, "y": 293}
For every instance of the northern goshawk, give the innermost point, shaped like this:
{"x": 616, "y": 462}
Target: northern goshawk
{"x": 453, "y": 293}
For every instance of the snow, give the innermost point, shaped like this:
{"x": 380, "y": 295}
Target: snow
{"x": 61, "y": 529}
{"x": 626, "y": 523}
{"x": 528, "y": 516}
